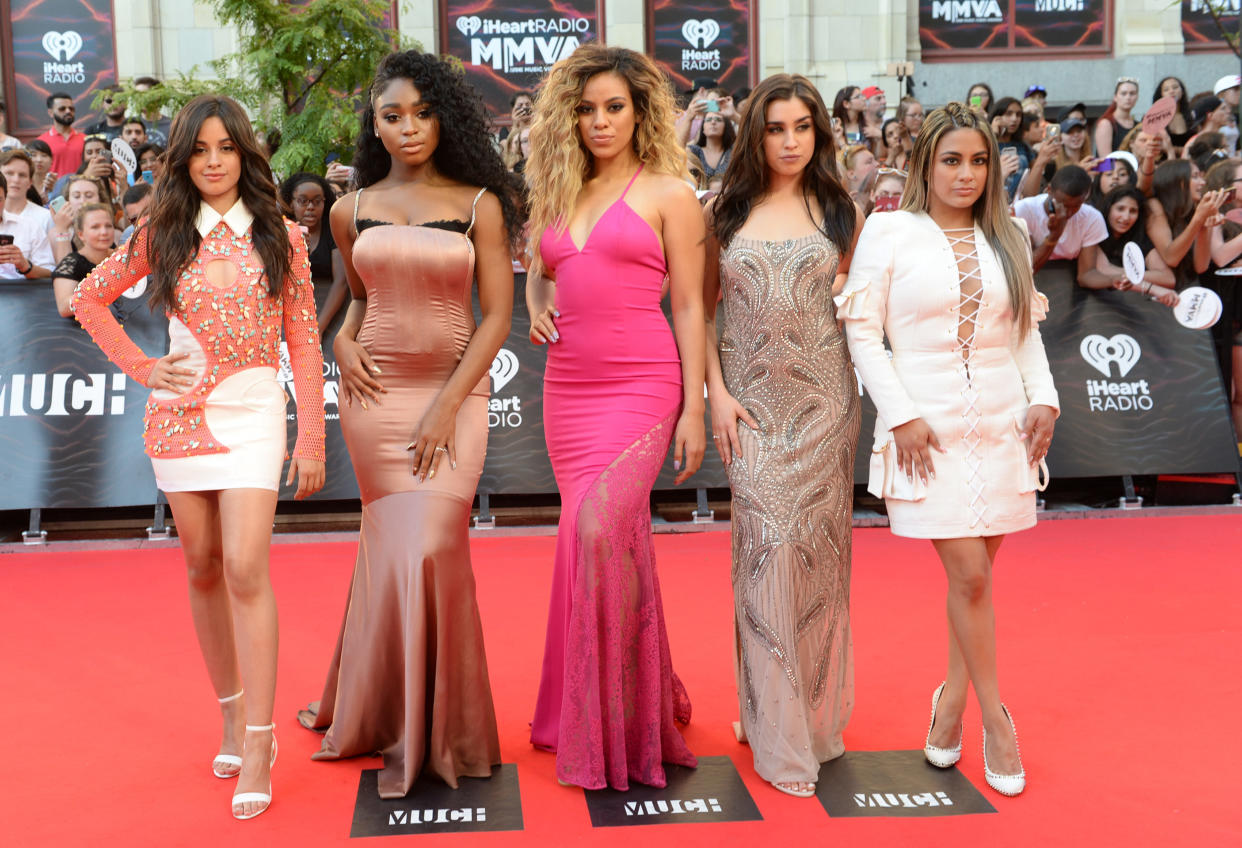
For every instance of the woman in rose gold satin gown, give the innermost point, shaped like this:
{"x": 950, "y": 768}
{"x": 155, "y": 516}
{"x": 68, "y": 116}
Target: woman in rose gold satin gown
{"x": 409, "y": 676}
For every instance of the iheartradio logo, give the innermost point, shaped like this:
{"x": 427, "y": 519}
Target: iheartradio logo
{"x": 68, "y": 43}
{"x": 1100, "y": 352}
{"x": 468, "y": 25}
{"x": 700, "y": 34}
{"x": 503, "y": 369}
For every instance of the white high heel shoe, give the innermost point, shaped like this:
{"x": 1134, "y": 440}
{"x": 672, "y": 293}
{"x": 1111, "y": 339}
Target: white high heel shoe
{"x": 266, "y": 797}
{"x": 941, "y": 757}
{"x": 222, "y": 760}
{"x": 1005, "y": 784}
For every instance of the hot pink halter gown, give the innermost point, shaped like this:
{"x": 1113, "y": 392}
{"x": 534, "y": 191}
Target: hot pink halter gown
{"x": 612, "y": 393}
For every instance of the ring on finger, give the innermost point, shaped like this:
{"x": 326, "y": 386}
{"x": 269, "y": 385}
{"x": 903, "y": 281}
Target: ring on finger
{"x": 441, "y": 448}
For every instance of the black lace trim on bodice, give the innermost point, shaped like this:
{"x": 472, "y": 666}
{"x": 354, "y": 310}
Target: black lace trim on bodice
{"x": 450, "y": 225}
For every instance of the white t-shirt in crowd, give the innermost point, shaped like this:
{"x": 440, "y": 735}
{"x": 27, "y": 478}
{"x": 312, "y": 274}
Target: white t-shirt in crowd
{"x": 37, "y": 215}
{"x": 1086, "y": 228}
{"x": 30, "y": 238}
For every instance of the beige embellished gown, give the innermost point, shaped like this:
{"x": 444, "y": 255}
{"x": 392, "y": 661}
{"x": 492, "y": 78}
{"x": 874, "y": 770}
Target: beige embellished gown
{"x": 785, "y": 360}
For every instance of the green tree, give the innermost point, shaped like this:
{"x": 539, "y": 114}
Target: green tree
{"x": 301, "y": 71}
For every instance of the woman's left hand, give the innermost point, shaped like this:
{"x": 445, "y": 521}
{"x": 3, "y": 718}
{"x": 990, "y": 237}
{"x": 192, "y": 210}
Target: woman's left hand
{"x": 1040, "y": 421}
{"x": 433, "y": 440}
{"x": 310, "y": 475}
{"x": 689, "y": 443}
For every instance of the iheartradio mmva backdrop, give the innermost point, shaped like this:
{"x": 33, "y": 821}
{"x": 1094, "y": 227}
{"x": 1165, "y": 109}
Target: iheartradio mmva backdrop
{"x": 509, "y": 46}
{"x": 692, "y": 39}
{"x": 1198, "y": 28}
{"x": 990, "y": 24}
{"x": 56, "y": 45}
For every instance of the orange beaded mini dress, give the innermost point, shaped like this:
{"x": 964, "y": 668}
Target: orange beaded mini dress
{"x": 228, "y": 430}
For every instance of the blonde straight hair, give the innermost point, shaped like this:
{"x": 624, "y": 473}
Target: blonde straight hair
{"x": 559, "y": 162}
{"x": 991, "y": 211}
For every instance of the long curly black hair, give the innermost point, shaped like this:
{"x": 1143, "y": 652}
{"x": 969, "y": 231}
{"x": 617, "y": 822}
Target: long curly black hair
{"x": 466, "y": 152}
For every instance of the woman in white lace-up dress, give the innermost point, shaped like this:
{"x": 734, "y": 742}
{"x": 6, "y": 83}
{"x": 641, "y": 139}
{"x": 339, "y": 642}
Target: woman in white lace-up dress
{"x": 966, "y": 404}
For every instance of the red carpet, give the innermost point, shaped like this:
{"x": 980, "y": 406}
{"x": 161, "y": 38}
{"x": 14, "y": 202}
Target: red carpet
{"x": 1119, "y": 658}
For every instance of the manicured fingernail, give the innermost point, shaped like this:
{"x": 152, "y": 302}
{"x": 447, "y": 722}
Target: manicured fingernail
{"x": 556, "y": 312}
{"x": 432, "y": 475}
{"x": 933, "y": 475}
{"x": 556, "y": 337}
{"x": 453, "y": 464}
{"x": 676, "y": 464}
{"x": 410, "y": 446}
{"x": 364, "y": 405}
{"x": 377, "y": 370}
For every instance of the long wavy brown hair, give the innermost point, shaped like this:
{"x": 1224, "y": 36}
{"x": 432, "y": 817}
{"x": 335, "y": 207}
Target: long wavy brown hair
{"x": 991, "y": 210}
{"x": 559, "y": 161}
{"x": 172, "y": 240}
{"x": 746, "y": 178}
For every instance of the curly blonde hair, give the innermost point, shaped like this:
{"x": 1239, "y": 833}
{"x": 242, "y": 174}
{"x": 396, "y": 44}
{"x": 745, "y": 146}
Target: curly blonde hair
{"x": 559, "y": 162}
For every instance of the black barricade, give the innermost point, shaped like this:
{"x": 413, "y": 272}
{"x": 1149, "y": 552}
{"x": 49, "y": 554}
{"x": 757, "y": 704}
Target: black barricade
{"x": 70, "y": 421}
{"x": 1140, "y": 394}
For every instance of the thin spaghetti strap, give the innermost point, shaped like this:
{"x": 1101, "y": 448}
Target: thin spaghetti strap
{"x": 630, "y": 183}
{"x": 474, "y": 206}
{"x": 357, "y": 197}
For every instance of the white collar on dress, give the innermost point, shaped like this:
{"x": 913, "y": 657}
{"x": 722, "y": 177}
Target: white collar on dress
{"x": 238, "y": 218}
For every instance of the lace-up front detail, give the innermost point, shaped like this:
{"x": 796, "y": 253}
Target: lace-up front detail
{"x": 970, "y": 301}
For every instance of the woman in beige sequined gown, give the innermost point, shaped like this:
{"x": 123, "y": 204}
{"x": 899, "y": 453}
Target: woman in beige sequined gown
{"x": 785, "y": 417}
{"x": 409, "y": 675}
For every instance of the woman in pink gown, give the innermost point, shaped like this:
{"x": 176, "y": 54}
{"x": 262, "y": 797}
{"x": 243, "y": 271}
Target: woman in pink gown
{"x": 614, "y": 220}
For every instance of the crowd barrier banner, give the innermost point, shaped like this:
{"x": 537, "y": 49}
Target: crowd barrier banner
{"x": 692, "y": 39}
{"x": 70, "y": 421}
{"x": 57, "y": 45}
{"x": 508, "y": 46}
{"x": 1140, "y": 393}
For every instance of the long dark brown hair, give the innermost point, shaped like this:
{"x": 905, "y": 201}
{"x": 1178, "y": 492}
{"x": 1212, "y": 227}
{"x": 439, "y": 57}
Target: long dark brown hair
{"x": 746, "y": 178}
{"x": 1170, "y": 185}
{"x": 172, "y": 240}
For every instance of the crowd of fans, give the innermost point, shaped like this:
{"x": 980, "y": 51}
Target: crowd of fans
{"x": 1084, "y": 188}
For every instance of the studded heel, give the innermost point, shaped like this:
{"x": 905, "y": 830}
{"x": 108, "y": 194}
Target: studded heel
{"x": 1005, "y": 784}
{"x": 941, "y": 757}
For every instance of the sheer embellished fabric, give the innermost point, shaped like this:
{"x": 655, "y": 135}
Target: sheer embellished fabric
{"x": 785, "y": 360}
{"x": 615, "y": 725}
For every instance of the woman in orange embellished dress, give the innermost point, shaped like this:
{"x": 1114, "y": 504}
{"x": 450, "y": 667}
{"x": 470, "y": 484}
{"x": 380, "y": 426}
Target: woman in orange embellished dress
{"x": 231, "y": 273}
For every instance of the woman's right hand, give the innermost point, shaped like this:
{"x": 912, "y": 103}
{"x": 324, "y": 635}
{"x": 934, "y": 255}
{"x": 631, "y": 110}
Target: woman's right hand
{"x": 543, "y": 325}
{"x": 1208, "y": 206}
{"x": 62, "y": 218}
{"x": 914, "y": 441}
{"x": 726, "y": 412}
{"x": 168, "y": 375}
{"x": 1163, "y": 294}
{"x": 357, "y": 371}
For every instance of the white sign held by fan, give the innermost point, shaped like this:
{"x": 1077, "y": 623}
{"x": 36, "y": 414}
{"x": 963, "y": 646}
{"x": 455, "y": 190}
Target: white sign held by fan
{"x": 1197, "y": 308}
{"x": 123, "y": 153}
{"x": 1135, "y": 264}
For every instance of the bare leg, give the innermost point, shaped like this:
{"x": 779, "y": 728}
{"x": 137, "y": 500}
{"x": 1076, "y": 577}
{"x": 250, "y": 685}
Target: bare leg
{"x": 246, "y": 529}
{"x": 952, "y": 705}
{"x": 198, "y": 527}
{"x": 968, "y": 566}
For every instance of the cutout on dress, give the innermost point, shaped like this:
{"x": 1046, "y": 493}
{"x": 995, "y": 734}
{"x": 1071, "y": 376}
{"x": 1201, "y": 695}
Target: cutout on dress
{"x": 221, "y": 273}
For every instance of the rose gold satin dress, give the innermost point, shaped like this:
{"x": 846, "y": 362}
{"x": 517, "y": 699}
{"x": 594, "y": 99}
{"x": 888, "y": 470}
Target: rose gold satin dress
{"x": 409, "y": 677}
